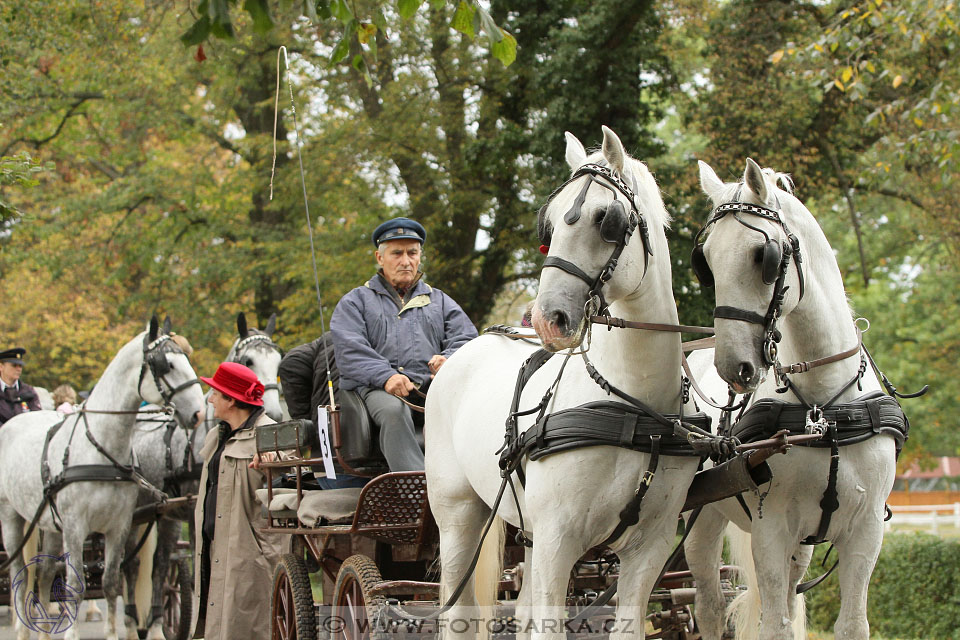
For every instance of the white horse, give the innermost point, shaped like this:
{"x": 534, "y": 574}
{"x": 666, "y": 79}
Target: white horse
{"x": 571, "y": 500}
{"x": 750, "y": 255}
{"x": 167, "y": 452}
{"x": 150, "y": 367}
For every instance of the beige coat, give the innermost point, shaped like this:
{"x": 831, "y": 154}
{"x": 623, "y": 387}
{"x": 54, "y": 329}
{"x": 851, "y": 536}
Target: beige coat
{"x": 242, "y": 558}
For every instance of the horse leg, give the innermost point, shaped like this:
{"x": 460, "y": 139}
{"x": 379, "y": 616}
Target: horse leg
{"x": 47, "y": 571}
{"x": 131, "y": 571}
{"x": 168, "y": 532}
{"x": 796, "y": 604}
{"x": 522, "y": 613}
{"x": 771, "y": 560}
{"x": 73, "y": 549}
{"x": 113, "y": 555}
{"x": 703, "y": 549}
{"x": 459, "y": 523}
{"x": 555, "y": 550}
{"x": 12, "y": 538}
{"x": 857, "y": 556}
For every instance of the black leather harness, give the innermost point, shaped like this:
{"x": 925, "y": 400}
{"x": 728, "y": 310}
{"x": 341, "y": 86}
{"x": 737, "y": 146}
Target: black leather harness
{"x": 635, "y": 426}
{"x": 848, "y": 423}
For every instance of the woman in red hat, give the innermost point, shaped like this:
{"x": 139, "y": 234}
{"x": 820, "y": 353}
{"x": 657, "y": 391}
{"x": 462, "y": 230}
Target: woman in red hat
{"x": 234, "y": 562}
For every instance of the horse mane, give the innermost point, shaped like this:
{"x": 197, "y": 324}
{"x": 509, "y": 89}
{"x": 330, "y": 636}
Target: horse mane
{"x": 183, "y": 343}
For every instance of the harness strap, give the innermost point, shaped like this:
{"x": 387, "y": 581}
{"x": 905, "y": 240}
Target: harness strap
{"x": 803, "y": 367}
{"x": 829, "y": 503}
{"x": 732, "y": 313}
{"x": 630, "y": 514}
{"x": 620, "y": 323}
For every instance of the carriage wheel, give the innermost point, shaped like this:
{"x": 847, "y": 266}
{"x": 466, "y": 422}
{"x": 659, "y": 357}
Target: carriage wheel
{"x": 177, "y": 601}
{"x": 292, "y": 613}
{"x": 354, "y": 608}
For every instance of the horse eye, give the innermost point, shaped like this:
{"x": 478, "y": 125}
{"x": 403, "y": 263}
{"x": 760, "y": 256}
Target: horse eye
{"x": 248, "y": 362}
{"x": 600, "y": 216}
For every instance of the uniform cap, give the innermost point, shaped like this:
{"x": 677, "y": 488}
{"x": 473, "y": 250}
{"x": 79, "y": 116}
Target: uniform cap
{"x": 399, "y": 229}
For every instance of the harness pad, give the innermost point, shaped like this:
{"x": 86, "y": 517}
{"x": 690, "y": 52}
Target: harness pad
{"x": 856, "y": 421}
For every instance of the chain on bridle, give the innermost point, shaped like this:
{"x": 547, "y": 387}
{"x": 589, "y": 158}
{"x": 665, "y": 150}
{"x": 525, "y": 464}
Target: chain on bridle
{"x": 155, "y": 360}
{"x": 774, "y": 258}
{"x": 616, "y": 227}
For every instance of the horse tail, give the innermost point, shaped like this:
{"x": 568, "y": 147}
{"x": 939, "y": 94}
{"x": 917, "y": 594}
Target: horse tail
{"x": 744, "y": 611}
{"x": 30, "y": 550}
{"x": 143, "y": 590}
{"x": 486, "y": 578}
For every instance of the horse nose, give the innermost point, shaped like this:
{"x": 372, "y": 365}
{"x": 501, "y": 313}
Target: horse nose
{"x": 746, "y": 373}
{"x": 560, "y": 320}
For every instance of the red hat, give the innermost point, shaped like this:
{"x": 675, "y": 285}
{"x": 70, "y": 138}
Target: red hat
{"x": 238, "y": 382}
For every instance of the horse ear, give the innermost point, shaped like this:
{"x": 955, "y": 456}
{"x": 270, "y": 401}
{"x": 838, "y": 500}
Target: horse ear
{"x": 753, "y": 178}
{"x": 153, "y": 328}
{"x": 575, "y": 154}
{"x": 242, "y": 325}
{"x": 271, "y": 325}
{"x": 709, "y": 181}
{"x": 167, "y": 324}
{"x": 613, "y": 150}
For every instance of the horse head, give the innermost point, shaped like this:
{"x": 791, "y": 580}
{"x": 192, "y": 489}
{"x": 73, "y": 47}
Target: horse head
{"x": 596, "y": 230}
{"x": 752, "y": 258}
{"x": 166, "y": 375}
{"x": 255, "y": 349}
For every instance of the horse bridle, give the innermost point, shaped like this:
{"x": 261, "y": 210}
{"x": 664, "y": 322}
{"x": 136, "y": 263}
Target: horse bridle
{"x": 775, "y": 262}
{"x": 154, "y": 359}
{"x": 616, "y": 228}
{"x": 257, "y": 337}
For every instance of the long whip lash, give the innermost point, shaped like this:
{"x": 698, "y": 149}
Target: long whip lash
{"x": 306, "y": 205}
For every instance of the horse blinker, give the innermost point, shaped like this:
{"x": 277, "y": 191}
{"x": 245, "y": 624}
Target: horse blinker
{"x": 770, "y": 261}
{"x": 613, "y": 226}
{"x": 701, "y": 269}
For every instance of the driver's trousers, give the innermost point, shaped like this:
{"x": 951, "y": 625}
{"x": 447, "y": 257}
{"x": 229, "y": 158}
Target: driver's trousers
{"x": 398, "y": 437}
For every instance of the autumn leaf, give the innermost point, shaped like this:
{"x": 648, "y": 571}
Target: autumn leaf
{"x": 777, "y": 56}
{"x": 897, "y": 81}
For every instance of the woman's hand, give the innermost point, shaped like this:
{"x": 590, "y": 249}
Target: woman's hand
{"x": 268, "y": 456}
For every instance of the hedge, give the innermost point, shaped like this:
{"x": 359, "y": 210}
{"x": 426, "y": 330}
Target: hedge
{"x": 914, "y": 591}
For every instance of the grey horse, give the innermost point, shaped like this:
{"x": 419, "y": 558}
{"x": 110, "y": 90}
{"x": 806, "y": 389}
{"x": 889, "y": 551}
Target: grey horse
{"x": 168, "y": 455}
{"x": 85, "y": 465}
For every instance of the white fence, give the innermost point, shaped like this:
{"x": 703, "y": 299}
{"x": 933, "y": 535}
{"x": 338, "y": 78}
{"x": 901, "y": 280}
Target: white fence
{"x": 927, "y": 515}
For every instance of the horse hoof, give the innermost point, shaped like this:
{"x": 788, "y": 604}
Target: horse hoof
{"x": 156, "y": 631}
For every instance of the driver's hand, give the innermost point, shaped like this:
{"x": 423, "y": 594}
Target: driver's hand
{"x": 398, "y": 385}
{"x": 435, "y": 363}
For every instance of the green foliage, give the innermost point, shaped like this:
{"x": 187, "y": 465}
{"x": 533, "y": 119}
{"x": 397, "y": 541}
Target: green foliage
{"x": 19, "y": 170}
{"x": 914, "y": 590}
{"x": 213, "y": 19}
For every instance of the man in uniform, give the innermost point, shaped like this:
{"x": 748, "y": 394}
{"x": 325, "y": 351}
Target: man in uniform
{"x": 15, "y": 396}
{"x": 392, "y": 335}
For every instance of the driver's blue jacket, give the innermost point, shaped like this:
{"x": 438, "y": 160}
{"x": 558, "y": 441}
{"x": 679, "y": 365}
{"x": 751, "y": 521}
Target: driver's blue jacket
{"x": 376, "y": 334}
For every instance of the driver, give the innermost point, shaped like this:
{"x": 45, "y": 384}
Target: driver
{"x": 392, "y": 335}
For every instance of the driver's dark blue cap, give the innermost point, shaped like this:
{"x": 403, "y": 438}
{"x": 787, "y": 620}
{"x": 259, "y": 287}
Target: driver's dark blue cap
{"x": 399, "y": 229}
{"x": 13, "y": 356}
